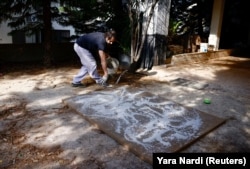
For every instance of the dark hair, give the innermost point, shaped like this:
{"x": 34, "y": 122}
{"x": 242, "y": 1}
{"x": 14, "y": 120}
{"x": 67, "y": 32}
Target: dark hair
{"x": 110, "y": 34}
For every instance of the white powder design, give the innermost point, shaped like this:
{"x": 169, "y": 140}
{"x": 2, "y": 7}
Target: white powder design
{"x": 143, "y": 118}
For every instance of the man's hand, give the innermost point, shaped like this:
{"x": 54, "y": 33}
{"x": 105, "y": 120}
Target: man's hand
{"x": 105, "y": 78}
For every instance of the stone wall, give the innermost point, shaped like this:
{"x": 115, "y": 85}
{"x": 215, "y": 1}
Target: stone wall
{"x": 34, "y": 52}
{"x": 187, "y": 58}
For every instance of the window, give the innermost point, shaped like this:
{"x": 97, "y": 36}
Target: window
{"x": 60, "y": 36}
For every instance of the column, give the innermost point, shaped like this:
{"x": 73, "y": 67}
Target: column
{"x": 216, "y": 24}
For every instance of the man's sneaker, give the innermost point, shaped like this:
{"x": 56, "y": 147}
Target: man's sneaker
{"x": 78, "y": 85}
{"x": 105, "y": 84}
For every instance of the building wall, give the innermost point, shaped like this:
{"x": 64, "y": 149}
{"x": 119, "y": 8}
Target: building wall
{"x": 7, "y": 39}
{"x": 4, "y": 37}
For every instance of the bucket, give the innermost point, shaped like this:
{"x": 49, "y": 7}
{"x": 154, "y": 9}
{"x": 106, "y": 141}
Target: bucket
{"x": 112, "y": 65}
{"x": 203, "y": 47}
{"x": 124, "y": 61}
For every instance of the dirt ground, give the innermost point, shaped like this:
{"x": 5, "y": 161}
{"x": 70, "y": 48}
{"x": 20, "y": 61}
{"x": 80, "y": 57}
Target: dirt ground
{"x": 38, "y": 131}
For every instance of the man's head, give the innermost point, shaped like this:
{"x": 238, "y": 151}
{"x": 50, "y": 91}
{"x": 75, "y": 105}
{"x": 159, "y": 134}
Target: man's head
{"x": 110, "y": 36}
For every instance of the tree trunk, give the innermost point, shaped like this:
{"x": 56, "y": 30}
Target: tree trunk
{"x": 153, "y": 37}
{"x": 144, "y": 33}
{"x": 47, "y": 33}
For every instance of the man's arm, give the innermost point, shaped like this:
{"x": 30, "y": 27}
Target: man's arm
{"x": 103, "y": 57}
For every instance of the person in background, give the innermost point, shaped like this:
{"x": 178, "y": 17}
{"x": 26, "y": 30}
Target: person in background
{"x": 89, "y": 47}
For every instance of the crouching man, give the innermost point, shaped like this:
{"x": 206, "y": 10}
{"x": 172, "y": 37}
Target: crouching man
{"x": 87, "y": 47}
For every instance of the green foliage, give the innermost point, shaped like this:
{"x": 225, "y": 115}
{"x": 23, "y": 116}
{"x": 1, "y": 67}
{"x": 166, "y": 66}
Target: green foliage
{"x": 86, "y": 16}
{"x": 172, "y": 31}
{"x": 31, "y": 16}
{"x": 190, "y": 17}
{"x": 22, "y": 15}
